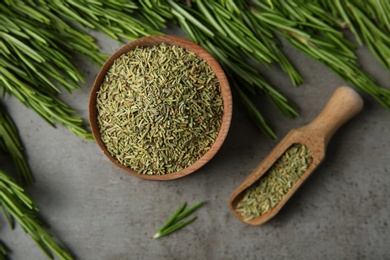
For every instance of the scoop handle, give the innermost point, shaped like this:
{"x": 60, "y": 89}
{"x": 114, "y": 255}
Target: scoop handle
{"x": 344, "y": 104}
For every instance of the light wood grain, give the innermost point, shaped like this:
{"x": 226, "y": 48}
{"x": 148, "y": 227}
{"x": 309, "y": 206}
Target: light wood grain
{"x": 225, "y": 92}
{"x": 344, "y": 104}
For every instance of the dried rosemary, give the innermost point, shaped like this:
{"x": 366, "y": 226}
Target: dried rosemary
{"x": 270, "y": 189}
{"x": 159, "y": 109}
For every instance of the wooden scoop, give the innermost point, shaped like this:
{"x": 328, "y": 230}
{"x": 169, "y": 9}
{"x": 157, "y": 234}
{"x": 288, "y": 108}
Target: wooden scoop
{"x": 343, "y": 105}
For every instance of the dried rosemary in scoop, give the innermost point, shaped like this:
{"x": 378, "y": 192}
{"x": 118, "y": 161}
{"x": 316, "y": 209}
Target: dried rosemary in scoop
{"x": 270, "y": 189}
{"x": 159, "y": 109}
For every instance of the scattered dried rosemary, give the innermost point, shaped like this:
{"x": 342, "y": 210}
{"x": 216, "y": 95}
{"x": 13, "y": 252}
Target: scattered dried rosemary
{"x": 270, "y": 189}
{"x": 159, "y": 109}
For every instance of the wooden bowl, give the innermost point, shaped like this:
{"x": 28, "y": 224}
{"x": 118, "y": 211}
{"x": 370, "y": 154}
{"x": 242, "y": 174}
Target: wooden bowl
{"x": 225, "y": 92}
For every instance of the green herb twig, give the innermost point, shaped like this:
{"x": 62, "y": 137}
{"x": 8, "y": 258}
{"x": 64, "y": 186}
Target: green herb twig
{"x": 174, "y": 222}
{"x": 257, "y": 42}
{"x": 253, "y": 112}
{"x": 322, "y": 43}
{"x": 49, "y": 107}
{"x": 11, "y": 144}
{"x": 33, "y": 64}
{"x": 110, "y": 17}
{"x": 28, "y": 45}
{"x": 3, "y": 251}
{"x": 18, "y": 206}
{"x": 156, "y": 13}
{"x": 369, "y": 21}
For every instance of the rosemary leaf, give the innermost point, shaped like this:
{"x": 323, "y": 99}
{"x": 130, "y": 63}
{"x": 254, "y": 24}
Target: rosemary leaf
{"x": 12, "y": 145}
{"x": 326, "y": 51}
{"x": 48, "y": 107}
{"x": 367, "y": 21}
{"x": 173, "y": 217}
{"x": 3, "y": 251}
{"x": 14, "y": 200}
{"x": 173, "y": 228}
{"x": 174, "y": 223}
{"x": 181, "y": 10}
{"x": 187, "y": 212}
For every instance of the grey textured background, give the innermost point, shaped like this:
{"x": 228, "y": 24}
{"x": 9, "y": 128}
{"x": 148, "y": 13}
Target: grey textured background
{"x": 100, "y": 212}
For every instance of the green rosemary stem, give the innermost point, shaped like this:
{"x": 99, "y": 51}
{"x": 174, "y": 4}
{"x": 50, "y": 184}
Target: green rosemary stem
{"x": 253, "y": 112}
{"x": 3, "y": 251}
{"x": 109, "y": 17}
{"x": 380, "y": 10}
{"x": 31, "y": 44}
{"x": 32, "y": 64}
{"x": 47, "y": 106}
{"x": 68, "y": 36}
{"x": 173, "y": 217}
{"x": 242, "y": 31}
{"x": 173, "y": 228}
{"x": 187, "y": 212}
{"x": 174, "y": 223}
{"x": 13, "y": 146}
{"x": 325, "y": 48}
{"x": 368, "y": 22}
{"x": 229, "y": 26}
{"x": 15, "y": 202}
{"x": 263, "y": 34}
{"x": 156, "y": 13}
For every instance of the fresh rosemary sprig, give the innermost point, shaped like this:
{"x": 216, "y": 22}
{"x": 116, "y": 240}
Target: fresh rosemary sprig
{"x": 11, "y": 144}
{"x": 379, "y": 12}
{"x": 299, "y": 26}
{"x": 31, "y": 59}
{"x": 155, "y": 12}
{"x": 49, "y": 107}
{"x": 264, "y": 34}
{"x": 174, "y": 222}
{"x": 3, "y": 251}
{"x": 18, "y": 206}
{"x": 253, "y": 112}
{"x": 32, "y": 65}
{"x": 13, "y": 200}
{"x": 233, "y": 20}
{"x": 228, "y": 25}
{"x": 369, "y": 21}
{"x": 109, "y": 17}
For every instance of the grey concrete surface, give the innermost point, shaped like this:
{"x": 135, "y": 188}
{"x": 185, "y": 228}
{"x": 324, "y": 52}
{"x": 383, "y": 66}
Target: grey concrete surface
{"x": 100, "y": 212}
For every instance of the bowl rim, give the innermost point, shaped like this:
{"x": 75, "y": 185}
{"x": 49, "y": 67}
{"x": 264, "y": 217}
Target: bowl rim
{"x": 225, "y": 93}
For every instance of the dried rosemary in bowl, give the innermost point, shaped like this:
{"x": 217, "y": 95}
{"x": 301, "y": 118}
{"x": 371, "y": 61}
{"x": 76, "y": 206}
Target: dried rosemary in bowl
{"x": 271, "y": 188}
{"x": 159, "y": 109}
